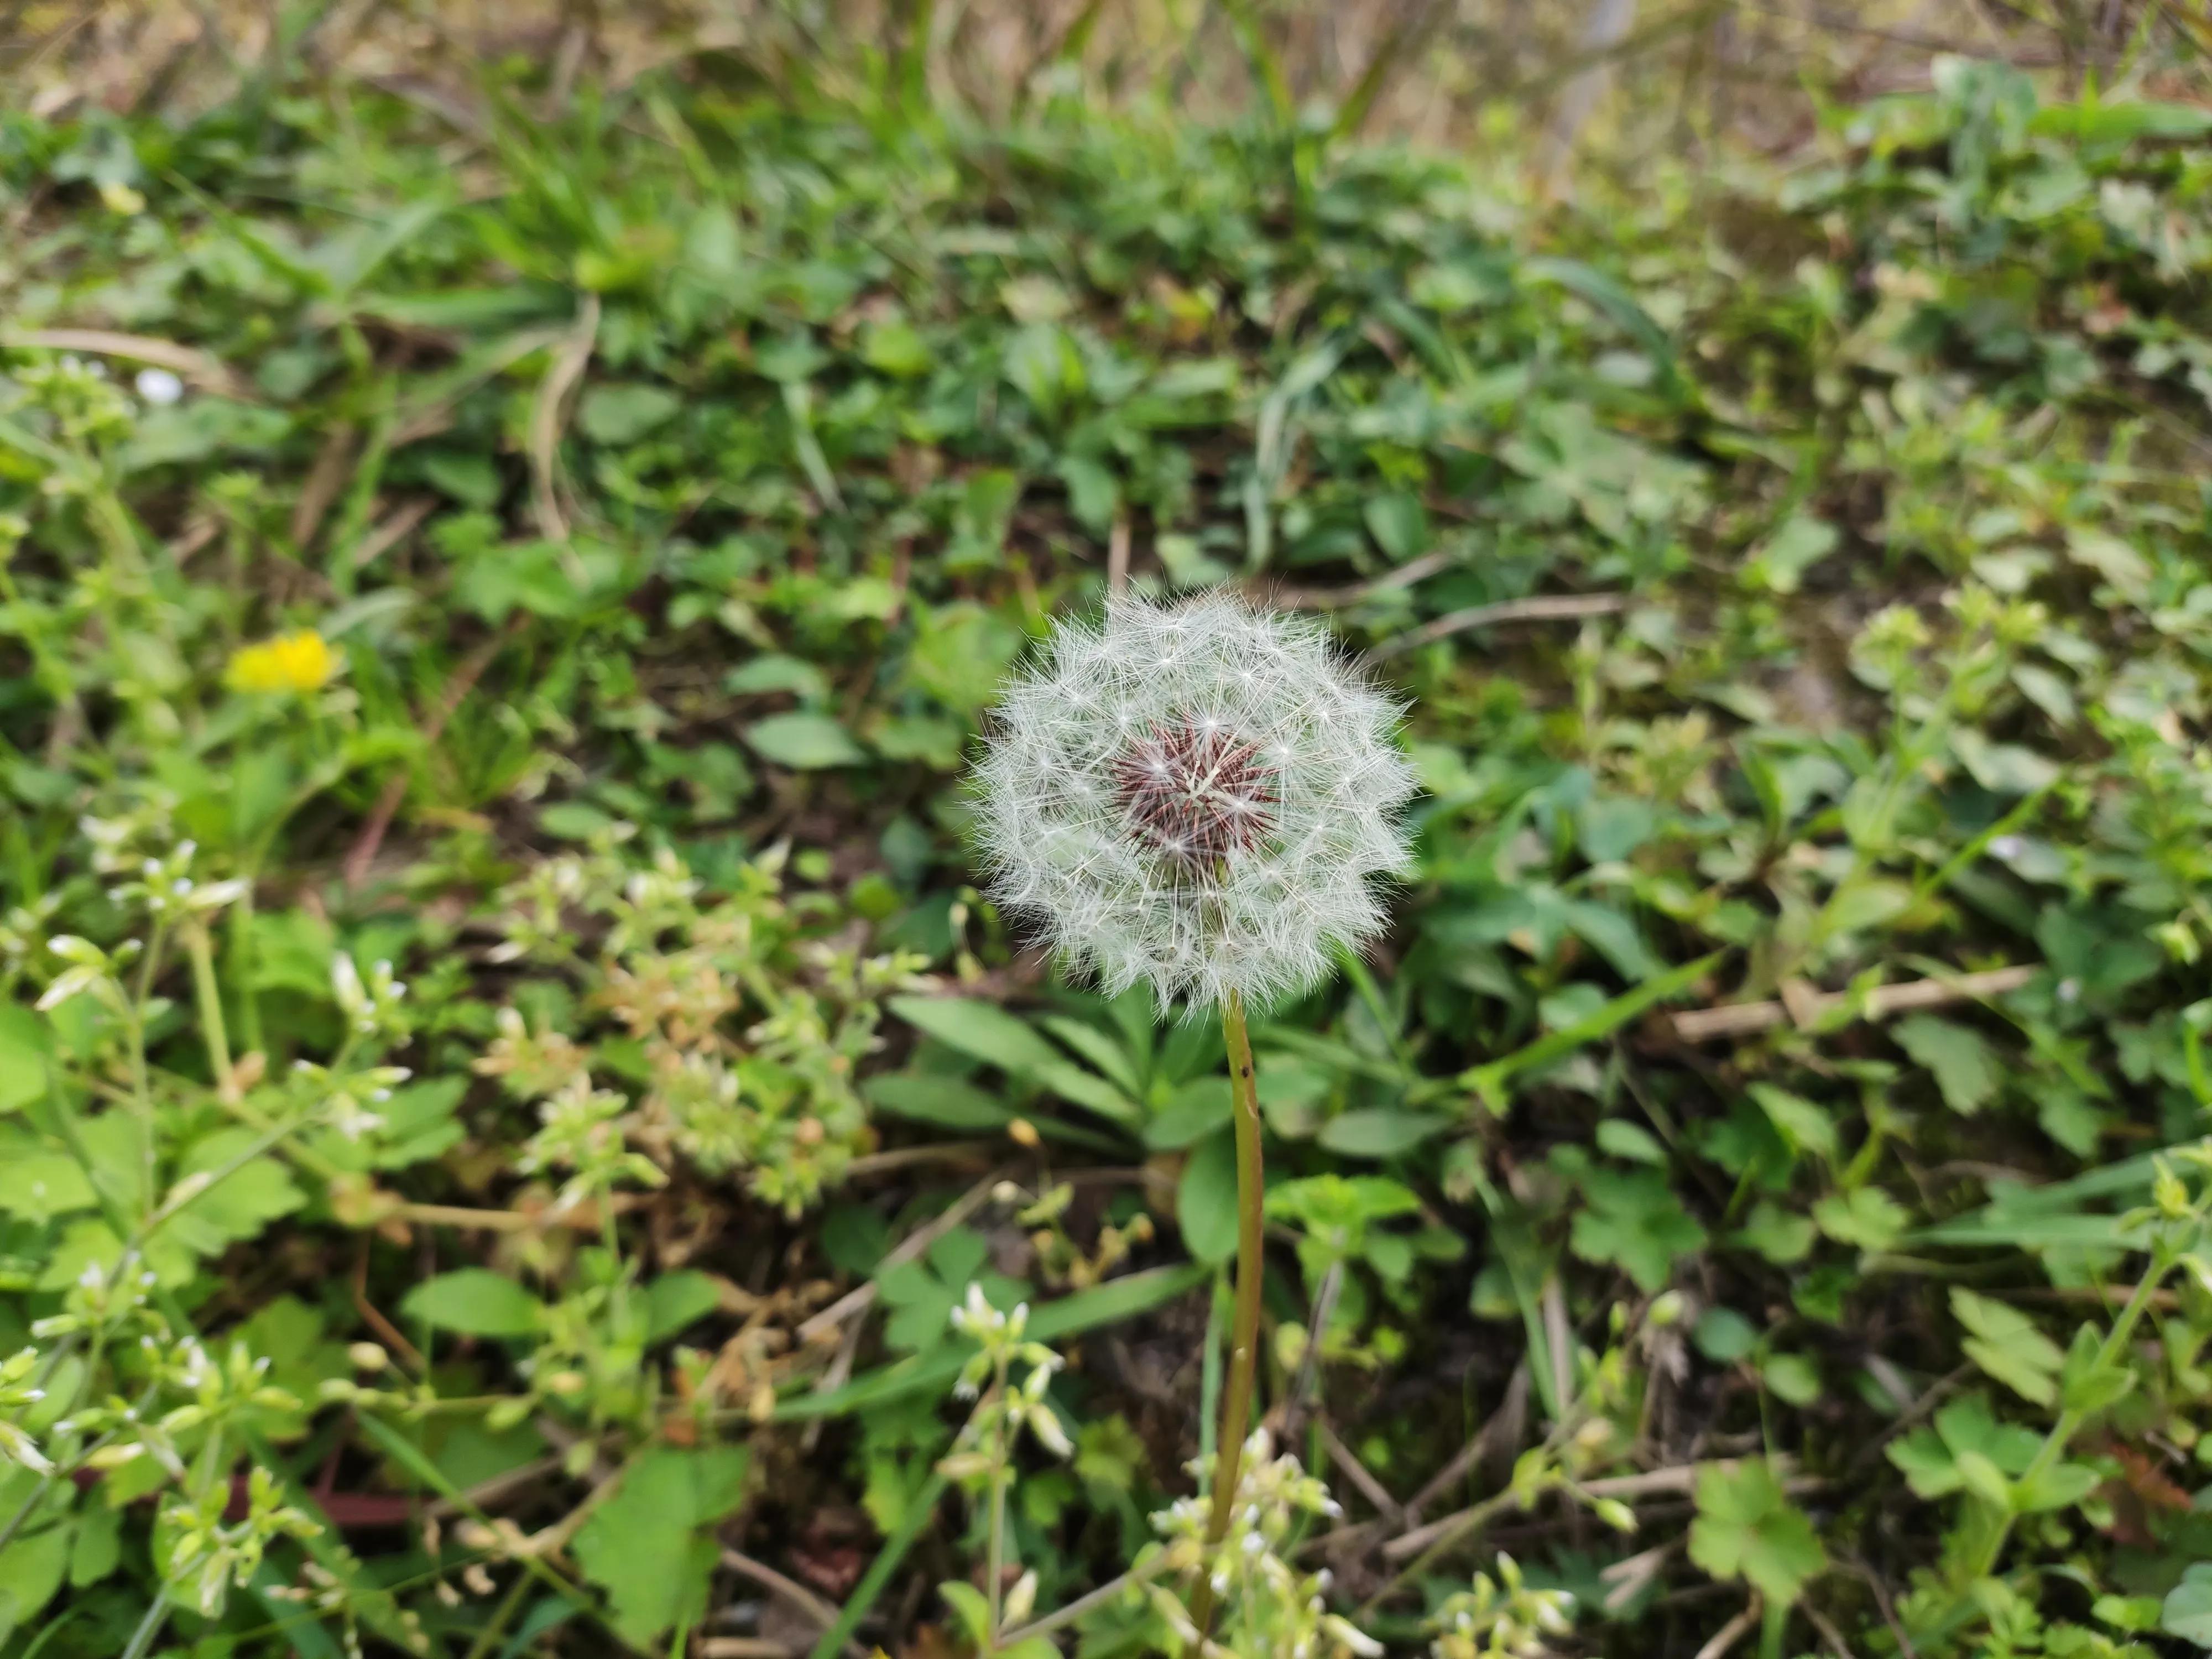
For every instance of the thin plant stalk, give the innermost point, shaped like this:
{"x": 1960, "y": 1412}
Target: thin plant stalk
{"x": 201, "y": 949}
{"x": 1251, "y": 1266}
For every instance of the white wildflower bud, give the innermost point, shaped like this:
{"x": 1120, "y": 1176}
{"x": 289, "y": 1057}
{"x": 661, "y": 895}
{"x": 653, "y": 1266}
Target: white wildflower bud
{"x": 1022, "y": 1599}
{"x": 1198, "y": 797}
{"x": 158, "y": 385}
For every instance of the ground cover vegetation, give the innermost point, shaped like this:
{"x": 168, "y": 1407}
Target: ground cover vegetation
{"x": 520, "y": 1131}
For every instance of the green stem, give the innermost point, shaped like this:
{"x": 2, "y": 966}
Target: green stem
{"x": 2070, "y": 1420}
{"x": 1251, "y": 1265}
{"x": 1000, "y": 1450}
{"x": 212, "y": 1032}
{"x": 1082, "y": 1604}
{"x": 142, "y": 1639}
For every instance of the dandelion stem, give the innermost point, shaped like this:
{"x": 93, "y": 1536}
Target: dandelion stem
{"x": 1244, "y": 1334}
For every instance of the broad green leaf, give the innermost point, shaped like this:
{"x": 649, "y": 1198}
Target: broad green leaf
{"x": 804, "y": 742}
{"x": 651, "y": 1544}
{"x": 1634, "y": 1220}
{"x": 475, "y": 1302}
{"x": 623, "y": 413}
{"x": 1747, "y": 1527}
{"x": 44, "y": 1185}
{"x": 1956, "y": 1054}
{"x": 1206, "y": 1200}
{"x": 1381, "y": 1131}
{"x": 1868, "y": 1218}
{"x": 25, "y": 1043}
{"x": 1780, "y": 1237}
{"x": 1802, "y": 1124}
{"x": 1399, "y": 524}
{"x": 1618, "y": 1138}
{"x": 32, "y": 1569}
{"x": 677, "y": 1299}
{"x": 1723, "y": 1336}
{"x": 1792, "y": 1378}
{"x": 1193, "y": 1112}
{"x": 2006, "y": 1345}
{"x": 2187, "y": 1610}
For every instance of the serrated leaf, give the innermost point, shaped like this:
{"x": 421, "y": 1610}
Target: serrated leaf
{"x": 1747, "y": 1527}
{"x": 1867, "y": 1217}
{"x": 1802, "y": 1124}
{"x": 1956, "y": 1054}
{"x": 2006, "y": 1345}
{"x": 1635, "y": 1220}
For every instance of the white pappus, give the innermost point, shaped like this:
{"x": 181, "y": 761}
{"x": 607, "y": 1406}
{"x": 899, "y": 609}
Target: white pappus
{"x": 1199, "y": 796}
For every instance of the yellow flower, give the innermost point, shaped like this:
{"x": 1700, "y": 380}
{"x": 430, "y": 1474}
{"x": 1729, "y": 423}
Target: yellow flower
{"x": 298, "y": 662}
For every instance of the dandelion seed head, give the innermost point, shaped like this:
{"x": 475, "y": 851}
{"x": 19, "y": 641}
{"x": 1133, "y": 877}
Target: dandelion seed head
{"x": 1203, "y": 798}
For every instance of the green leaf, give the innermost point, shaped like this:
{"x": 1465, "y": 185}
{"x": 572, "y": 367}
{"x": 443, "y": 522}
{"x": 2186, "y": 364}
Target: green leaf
{"x": 921, "y": 1295}
{"x": 475, "y": 1302}
{"x": 1747, "y": 1527}
{"x": 933, "y": 1373}
{"x": 1634, "y": 1220}
{"x": 1723, "y": 1336}
{"x": 2090, "y": 1383}
{"x": 32, "y": 1569}
{"x": 2060, "y": 1486}
{"x": 1792, "y": 1378}
{"x": 1802, "y": 1124}
{"x": 1867, "y": 1217}
{"x": 2187, "y": 1610}
{"x": 1400, "y": 525}
{"x": 950, "y": 1102}
{"x": 1618, "y": 1138}
{"x": 241, "y": 1204}
{"x": 25, "y": 1042}
{"x": 98, "y": 1550}
{"x": 990, "y": 1033}
{"x": 980, "y": 1029}
{"x": 1956, "y": 1054}
{"x": 1381, "y": 1131}
{"x": 804, "y": 742}
{"x": 1800, "y": 543}
{"x": 622, "y": 414}
{"x": 43, "y": 1185}
{"x": 675, "y": 1300}
{"x": 2006, "y": 1345}
{"x": 651, "y": 1544}
{"x": 1206, "y": 1200}
{"x": 1193, "y": 1112}
{"x": 1780, "y": 1237}
{"x": 971, "y": 1608}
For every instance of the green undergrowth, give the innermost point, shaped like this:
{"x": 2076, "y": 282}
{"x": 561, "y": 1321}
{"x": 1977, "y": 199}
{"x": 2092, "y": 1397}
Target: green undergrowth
{"x": 493, "y": 608}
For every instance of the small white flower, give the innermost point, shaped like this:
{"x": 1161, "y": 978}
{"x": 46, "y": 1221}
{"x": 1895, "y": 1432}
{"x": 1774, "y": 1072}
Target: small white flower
{"x": 1198, "y": 797}
{"x": 158, "y": 385}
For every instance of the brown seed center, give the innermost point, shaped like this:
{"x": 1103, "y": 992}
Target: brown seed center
{"x": 1194, "y": 794}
